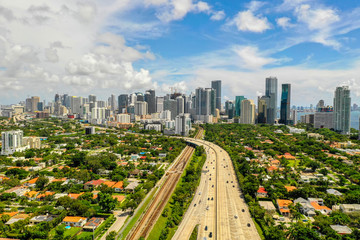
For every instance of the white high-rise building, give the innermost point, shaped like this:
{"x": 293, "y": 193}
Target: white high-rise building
{"x": 12, "y": 141}
{"x": 159, "y": 104}
{"x": 141, "y": 108}
{"x": 98, "y": 115}
{"x": 247, "y": 112}
{"x": 123, "y": 118}
{"x": 183, "y": 124}
{"x": 75, "y": 104}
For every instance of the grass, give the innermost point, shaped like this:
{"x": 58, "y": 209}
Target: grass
{"x": 258, "y": 228}
{"x": 194, "y": 233}
{"x": 136, "y": 216}
{"x": 85, "y": 234}
{"x": 294, "y": 163}
{"x": 72, "y": 231}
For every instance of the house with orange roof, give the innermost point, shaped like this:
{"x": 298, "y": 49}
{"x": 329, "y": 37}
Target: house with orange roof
{"x": 31, "y": 195}
{"x": 74, "y": 221}
{"x": 109, "y": 183}
{"x": 118, "y": 187}
{"x": 272, "y": 169}
{"x": 10, "y": 214}
{"x": 120, "y": 198}
{"x": 261, "y": 193}
{"x": 93, "y": 184}
{"x": 287, "y": 156}
{"x": 31, "y": 182}
{"x": 275, "y": 162}
{"x": 41, "y": 196}
{"x": 283, "y": 206}
{"x": 290, "y": 188}
{"x": 75, "y": 195}
{"x": 59, "y": 179}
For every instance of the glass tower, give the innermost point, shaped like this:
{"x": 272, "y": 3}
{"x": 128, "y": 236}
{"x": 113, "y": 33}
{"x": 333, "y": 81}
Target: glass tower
{"x": 342, "y": 107}
{"x": 216, "y": 85}
{"x": 285, "y": 104}
{"x": 271, "y": 92}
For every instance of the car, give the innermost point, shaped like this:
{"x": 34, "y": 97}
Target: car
{"x": 233, "y": 185}
{"x": 243, "y": 210}
{"x": 212, "y": 186}
{"x": 208, "y": 198}
{"x": 210, "y": 174}
{"x": 207, "y": 208}
{"x": 231, "y": 181}
{"x": 206, "y": 167}
{"x": 213, "y": 167}
{"x": 248, "y": 225}
{"x": 199, "y": 193}
{"x": 195, "y": 205}
{"x": 212, "y": 198}
{"x": 227, "y": 181}
{"x": 235, "y": 216}
{"x": 205, "y": 228}
{"x": 210, "y": 179}
{"x": 210, "y": 235}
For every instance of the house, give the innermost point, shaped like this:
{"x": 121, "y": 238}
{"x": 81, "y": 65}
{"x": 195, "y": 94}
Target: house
{"x": 290, "y": 188}
{"x": 31, "y": 195}
{"x": 306, "y": 208}
{"x": 74, "y": 221}
{"x": 342, "y": 230}
{"x": 17, "y": 218}
{"x": 31, "y": 182}
{"x": 75, "y": 195}
{"x": 134, "y": 173}
{"x": 41, "y": 218}
{"x": 333, "y": 192}
{"x": 19, "y": 191}
{"x": 131, "y": 187}
{"x": 118, "y": 187}
{"x": 323, "y": 209}
{"x": 283, "y": 206}
{"x": 93, "y": 224}
{"x": 93, "y": 184}
{"x": 120, "y": 198}
{"x": 349, "y": 208}
{"x": 41, "y": 196}
{"x": 268, "y": 206}
{"x": 109, "y": 183}
{"x": 261, "y": 193}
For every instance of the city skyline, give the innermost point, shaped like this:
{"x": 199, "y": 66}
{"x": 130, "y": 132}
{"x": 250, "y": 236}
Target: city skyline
{"x": 147, "y": 44}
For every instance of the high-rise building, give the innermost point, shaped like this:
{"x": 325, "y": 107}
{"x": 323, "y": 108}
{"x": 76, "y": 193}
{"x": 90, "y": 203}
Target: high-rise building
{"x": 112, "y": 102}
{"x": 183, "y": 124}
{"x": 28, "y": 105}
{"x": 34, "y": 103}
{"x": 320, "y": 104}
{"x": 247, "y": 112}
{"x": 92, "y": 98}
{"x": 180, "y": 108}
{"x": 140, "y": 97}
{"x": 123, "y": 103}
{"x": 271, "y": 91}
{"x": 57, "y": 98}
{"x": 12, "y": 141}
{"x": 216, "y": 85}
{"x": 342, "y": 108}
{"x": 141, "y": 108}
{"x": 285, "y": 104}
{"x": 150, "y": 98}
{"x": 238, "y": 100}
{"x": 123, "y": 118}
{"x": 159, "y": 104}
{"x": 324, "y": 118}
{"x": 171, "y": 105}
{"x": 229, "y": 109}
{"x": 75, "y": 105}
{"x": 205, "y": 101}
{"x": 263, "y": 102}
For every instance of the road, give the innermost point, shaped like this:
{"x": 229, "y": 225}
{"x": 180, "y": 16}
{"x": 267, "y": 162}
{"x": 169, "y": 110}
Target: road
{"x": 218, "y": 206}
{"x": 120, "y": 219}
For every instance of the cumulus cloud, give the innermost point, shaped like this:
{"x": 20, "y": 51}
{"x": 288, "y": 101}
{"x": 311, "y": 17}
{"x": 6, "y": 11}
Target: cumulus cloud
{"x": 217, "y": 16}
{"x": 284, "y": 22}
{"x": 316, "y": 18}
{"x": 248, "y": 22}
{"x": 251, "y": 58}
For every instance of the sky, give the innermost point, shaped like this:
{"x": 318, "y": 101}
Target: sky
{"x": 109, "y": 47}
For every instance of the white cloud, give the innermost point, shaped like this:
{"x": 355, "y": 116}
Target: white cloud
{"x": 217, "y": 16}
{"x": 247, "y": 21}
{"x": 284, "y": 22}
{"x": 316, "y": 18}
{"x": 251, "y": 58}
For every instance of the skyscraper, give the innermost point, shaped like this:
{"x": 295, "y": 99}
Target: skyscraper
{"x": 112, "y": 102}
{"x": 122, "y": 102}
{"x": 247, "y": 112}
{"x": 159, "y": 104}
{"x": 229, "y": 109}
{"x": 180, "y": 102}
{"x": 34, "y": 103}
{"x": 342, "y": 107}
{"x": 150, "y": 98}
{"x": 12, "y": 141}
{"x": 271, "y": 92}
{"x": 263, "y": 102}
{"x": 216, "y": 85}
{"x": 285, "y": 104}
{"x": 92, "y": 98}
{"x": 238, "y": 100}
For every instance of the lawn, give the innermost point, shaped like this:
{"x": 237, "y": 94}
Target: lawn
{"x": 72, "y": 231}
{"x": 294, "y": 163}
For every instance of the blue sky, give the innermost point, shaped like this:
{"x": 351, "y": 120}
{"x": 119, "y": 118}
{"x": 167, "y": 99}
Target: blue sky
{"x": 105, "y": 47}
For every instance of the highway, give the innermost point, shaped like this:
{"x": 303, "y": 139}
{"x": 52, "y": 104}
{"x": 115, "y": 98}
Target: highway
{"x": 218, "y": 206}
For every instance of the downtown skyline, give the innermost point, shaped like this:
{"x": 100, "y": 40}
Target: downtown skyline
{"x": 129, "y": 47}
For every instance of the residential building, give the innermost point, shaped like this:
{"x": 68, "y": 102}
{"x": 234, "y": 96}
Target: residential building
{"x": 123, "y": 103}
{"x": 238, "y": 100}
{"x": 271, "y": 91}
{"x": 324, "y": 118}
{"x": 285, "y": 104}
{"x": 247, "y": 112}
{"x": 342, "y": 108}
{"x": 150, "y": 98}
{"x": 183, "y": 124}
{"x": 263, "y": 103}
{"x": 216, "y": 85}
{"x": 340, "y": 229}
{"x": 229, "y": 109}
{"x": 32, "y": 142}
{"x": 12, "y": 141}
{"x": 93, "y": 224}
{"x": 283, "y": 206}
{"x": 141, "y": 108}
{"x": 74, "y": 221}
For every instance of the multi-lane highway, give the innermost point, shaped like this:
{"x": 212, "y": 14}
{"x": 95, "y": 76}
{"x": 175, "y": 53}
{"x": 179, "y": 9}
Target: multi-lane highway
{"x": 218, "y": 207}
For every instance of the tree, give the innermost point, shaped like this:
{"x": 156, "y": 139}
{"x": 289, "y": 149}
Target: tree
{"x": 106, "y": 202}
{"x": 41, "y": 182}
{"x": 111, "y": 236}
